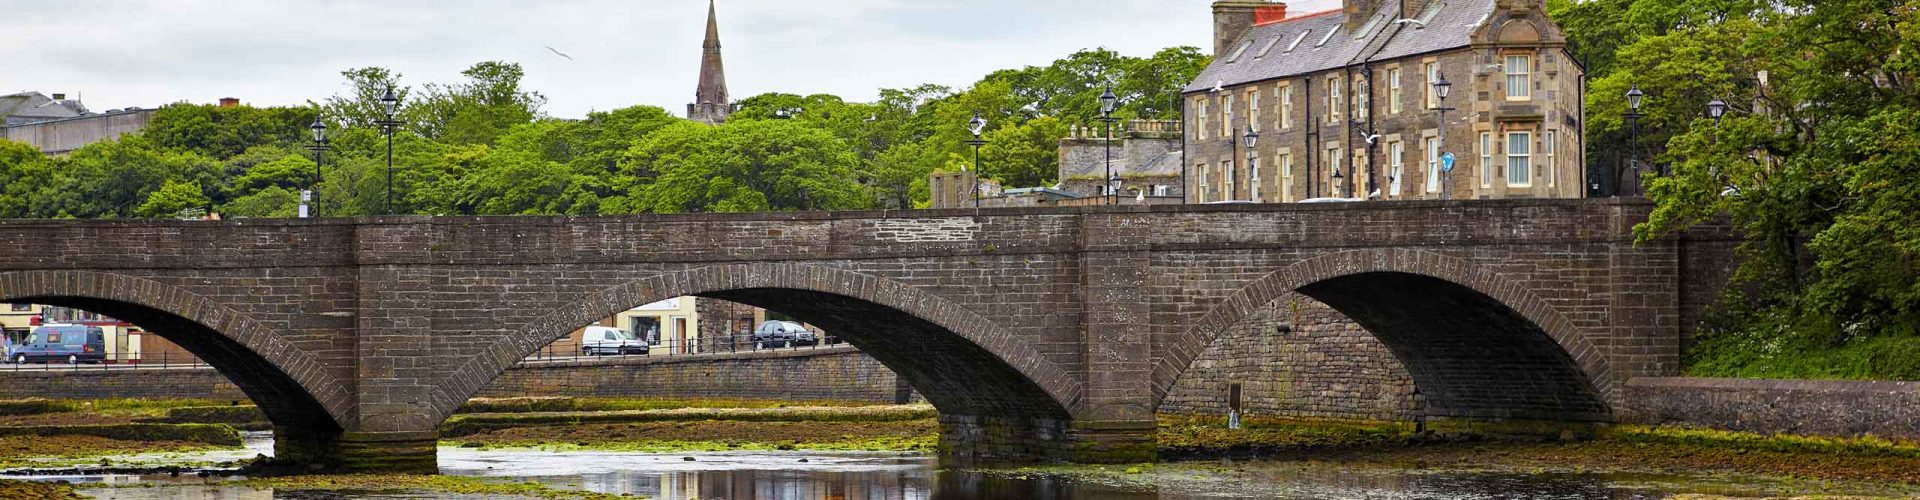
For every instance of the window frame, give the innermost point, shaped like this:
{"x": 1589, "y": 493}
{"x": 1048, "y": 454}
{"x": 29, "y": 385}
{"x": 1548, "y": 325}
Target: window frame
{"x": 1286, "y": 107}
{"x": 1285, "y": 164}
{"x": 1253, "y": 179}
{"x": 1548, "y": 146}
{"x": 1525, "y": 88}
{"x": 1253, "y": 107}
{"x": 1333, "y": 99}
{"x": 1226, "y": 116}
{"x": 1202, "y": 169}
{"x": 1524, "y": 156}
{"x": 1393, "y": 91}
{"x": 1433, "y": 180}
{"x": 1396, "y": 166}
{"x": 1333, "y": 165}
{"x": 1201, "y": 127}
{"x": 1432, "y": 70}
{"x": 1486, "y": 159}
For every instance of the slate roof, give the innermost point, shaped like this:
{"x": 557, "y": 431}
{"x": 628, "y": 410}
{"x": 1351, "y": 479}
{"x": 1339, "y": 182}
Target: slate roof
{"x": 1163, "y": 165}
{"x": 1449, "y": 25}
{"x": 34, "y": 107}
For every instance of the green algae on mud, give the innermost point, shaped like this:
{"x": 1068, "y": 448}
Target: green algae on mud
{"x": 404, "y": 484}
{"x": 11, "y": 488}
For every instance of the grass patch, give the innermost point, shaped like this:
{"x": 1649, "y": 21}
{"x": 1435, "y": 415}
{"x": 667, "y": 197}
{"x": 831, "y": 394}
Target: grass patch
{"x": 660, "y": 437}
{"x": 246, "y": 417}
{"x": 1781, "y": 353}
{"x": 35, "y": 406}
{"x": 1183, "y": 434}
{"x": 564, "y": 404}
{"x": 1750, "y": 442}
{"x": 461, "y": 425}
{"x": 212, "y": 434}
{"x": 395, "y": 483}
{"x": 71, "y": 450}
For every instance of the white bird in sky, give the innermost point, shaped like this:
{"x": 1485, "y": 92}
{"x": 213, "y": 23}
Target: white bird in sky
{"x": 557, "y": 52}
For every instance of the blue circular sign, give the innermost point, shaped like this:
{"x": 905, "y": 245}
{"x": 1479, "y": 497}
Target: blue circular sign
{"x": 1446, "y": 162}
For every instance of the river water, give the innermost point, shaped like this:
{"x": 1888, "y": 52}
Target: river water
{"x": 890, "y": 476}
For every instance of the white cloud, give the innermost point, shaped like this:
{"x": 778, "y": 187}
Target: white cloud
{"x": 120, "y": 53}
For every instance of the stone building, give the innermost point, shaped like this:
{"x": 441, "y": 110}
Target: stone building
{"x": 710, "y": 102}
{"x": 1146, "y": 158}
{"x": 1146, "y": 161}
{"x": 57, "y": 125}
{"x": 1344, "y": 106}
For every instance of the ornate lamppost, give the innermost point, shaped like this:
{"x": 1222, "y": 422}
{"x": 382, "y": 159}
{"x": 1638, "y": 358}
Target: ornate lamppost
{"x": 1107, "y": 102}
{"x": 1716, "y": 109}
{"x": 1633, "y": 133}
{"x": 976, "y": 126}
{"x": 319, "y": 146}
{"x": 1253, "y": 177}
{"x": 389, "y": 104}
{"x": 1441, "y": 88}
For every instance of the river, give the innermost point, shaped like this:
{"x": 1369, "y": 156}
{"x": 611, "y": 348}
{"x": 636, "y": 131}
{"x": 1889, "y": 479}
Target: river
{"x": 888, "y": 476}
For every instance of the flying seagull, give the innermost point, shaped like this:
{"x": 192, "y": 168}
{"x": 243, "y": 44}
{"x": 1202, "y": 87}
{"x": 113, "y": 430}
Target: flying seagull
{"x": 557, "y": 52}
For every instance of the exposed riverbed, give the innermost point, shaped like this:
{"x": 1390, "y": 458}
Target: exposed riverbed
{"x": 498, "y": 473}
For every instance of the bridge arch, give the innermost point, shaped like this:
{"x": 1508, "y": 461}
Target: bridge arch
{"x": 288, "y": 383}
{"x": 1478, "y": 345}
{"x": 961, "y": 361}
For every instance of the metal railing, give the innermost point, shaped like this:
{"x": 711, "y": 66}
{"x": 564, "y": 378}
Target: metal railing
{"x": 562, "y": 350}
{"x": 117, "y": 360}
{"x": 567, "y": 350}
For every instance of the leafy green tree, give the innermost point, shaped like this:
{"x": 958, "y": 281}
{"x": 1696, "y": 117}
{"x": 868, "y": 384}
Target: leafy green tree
{"x": 112, "y": 179}
{"x": 219, "y": 132}
{"x": 27, "y": 179}
{"x": 1025, "y": 154}
{"x": 360, "y": 107}
{"x": 273, "y": 202}
{"x": 478, "y": 111}
{"x": 753, "y": 165}
{"x": 174, "y": 199}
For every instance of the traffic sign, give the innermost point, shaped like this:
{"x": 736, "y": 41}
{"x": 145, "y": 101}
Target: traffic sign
{"x": 1446, "y": 162}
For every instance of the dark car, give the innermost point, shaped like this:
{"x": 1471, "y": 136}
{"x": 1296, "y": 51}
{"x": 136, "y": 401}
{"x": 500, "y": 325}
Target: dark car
{"x": 73, "y": 344}
{"x": 777, "y": 334}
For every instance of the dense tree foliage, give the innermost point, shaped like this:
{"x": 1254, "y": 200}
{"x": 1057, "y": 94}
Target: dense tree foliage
{"x": 1817, "y": 162}
{"x": 483, "y": 146}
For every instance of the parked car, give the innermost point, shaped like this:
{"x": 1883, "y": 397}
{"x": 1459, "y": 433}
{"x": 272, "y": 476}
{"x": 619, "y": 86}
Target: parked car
{"x": 777, "y": 334}
{"x": 607, "y": 340}
{"x": 73, "y": 344}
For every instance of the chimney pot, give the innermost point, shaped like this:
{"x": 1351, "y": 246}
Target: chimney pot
{"x": 59, "y": 97}
{"x": 229, "y": 102}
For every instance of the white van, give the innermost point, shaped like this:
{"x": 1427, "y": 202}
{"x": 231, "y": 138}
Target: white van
{"x": 607, "y": 340}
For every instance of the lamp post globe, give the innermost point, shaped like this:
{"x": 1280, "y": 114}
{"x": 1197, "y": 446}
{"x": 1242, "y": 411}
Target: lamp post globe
{"x": 1442, "y": 88}
{"x": 976, "y": 126}
{"x": 1717, "y": 109}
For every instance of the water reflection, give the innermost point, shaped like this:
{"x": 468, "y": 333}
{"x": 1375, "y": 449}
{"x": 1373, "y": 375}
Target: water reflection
{"x": 888, "y": 476}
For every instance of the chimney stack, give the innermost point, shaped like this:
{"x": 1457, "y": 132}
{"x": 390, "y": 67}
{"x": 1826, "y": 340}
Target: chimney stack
{"x": 59, "y": 97}
{"x": 1232, "y": 18}
{"x": 229, "y": 102}
{"x": 1358, "y": 11}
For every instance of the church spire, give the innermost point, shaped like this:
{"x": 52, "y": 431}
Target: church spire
{"x": 711, "y": 105}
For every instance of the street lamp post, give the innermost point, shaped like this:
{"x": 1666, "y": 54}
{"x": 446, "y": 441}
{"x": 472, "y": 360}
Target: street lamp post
{"x": 1107, "y": 101}
{"x": 1252, "y": 138}
{"x": 976, "y": 126}
{"x": 1716, "y": 109}
{"x": 389, "y": 104}
{"x": 1633, "y": 133}
{"x": 1441, "y": 88}
{"x": 319, "y": 146}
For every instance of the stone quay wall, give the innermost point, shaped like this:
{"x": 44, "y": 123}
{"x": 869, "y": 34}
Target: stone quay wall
{"x": 831, "y": 373}
{"x": 158, "y": 383}
{"x": 1837, "y": 408}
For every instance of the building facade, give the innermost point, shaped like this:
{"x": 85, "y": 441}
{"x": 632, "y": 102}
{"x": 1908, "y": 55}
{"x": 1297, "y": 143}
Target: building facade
{"x": 1146, "y": 167}
{"x": 57, "y": 125}
{"x": 1342, "y": 103}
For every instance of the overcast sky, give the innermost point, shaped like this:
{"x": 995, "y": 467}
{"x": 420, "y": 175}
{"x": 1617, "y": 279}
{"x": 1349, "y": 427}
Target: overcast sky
{"x": 119, "y": 53}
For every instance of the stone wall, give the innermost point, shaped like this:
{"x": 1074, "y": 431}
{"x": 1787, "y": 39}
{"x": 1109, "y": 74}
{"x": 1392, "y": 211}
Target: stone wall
{"x": 833, "y": 373}
{"x": 1806, "y": 407}
{"x": 197, "y": 383}
{"x": 1296, "y": 357}
{"x": 837, "y": 373}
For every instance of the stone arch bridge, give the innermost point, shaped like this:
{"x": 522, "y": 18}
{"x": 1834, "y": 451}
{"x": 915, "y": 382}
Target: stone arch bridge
{"x": 1048, "y": 334}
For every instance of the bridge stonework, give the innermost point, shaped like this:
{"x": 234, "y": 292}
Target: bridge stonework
{"x": 1039, "y": 333}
